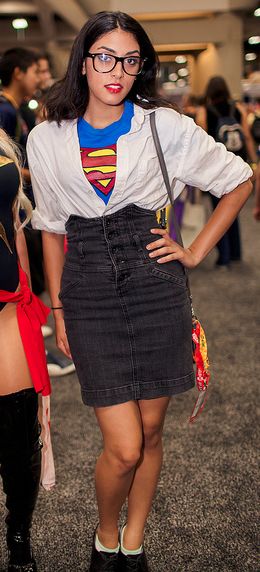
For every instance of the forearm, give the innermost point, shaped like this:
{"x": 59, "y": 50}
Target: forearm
{"x": 251, "y": 152}
{"x": 22, "y": 253}
{"x": 220, "y": 220}
{"x": 53, "y": 252}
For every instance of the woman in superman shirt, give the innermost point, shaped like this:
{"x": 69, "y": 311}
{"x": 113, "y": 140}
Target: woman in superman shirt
{"x": 120, "y": 301}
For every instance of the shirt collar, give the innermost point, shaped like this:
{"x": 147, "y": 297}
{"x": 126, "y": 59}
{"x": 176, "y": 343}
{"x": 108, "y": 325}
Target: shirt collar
{"x": 138, "y": 119}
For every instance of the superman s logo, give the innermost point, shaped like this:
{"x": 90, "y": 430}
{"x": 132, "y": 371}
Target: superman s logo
{"x": 99, "y": 166}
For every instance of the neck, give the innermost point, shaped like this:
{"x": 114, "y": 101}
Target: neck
{"x": 13, "y": 93}
{"x": 100, "y": 115}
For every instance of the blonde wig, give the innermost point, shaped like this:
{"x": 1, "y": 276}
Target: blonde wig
{"x": 21, "y": 201}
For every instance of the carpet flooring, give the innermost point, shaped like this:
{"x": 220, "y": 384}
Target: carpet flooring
{"x": 205, "y": 512}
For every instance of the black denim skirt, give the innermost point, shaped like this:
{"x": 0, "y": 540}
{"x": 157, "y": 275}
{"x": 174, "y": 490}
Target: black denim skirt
{"x": 127, "y": 318}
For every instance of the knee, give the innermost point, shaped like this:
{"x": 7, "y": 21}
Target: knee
{"x": 125, "y": 460}
{"x": 152, "y": 435}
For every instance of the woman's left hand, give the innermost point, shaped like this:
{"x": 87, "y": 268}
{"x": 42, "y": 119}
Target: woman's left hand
{"x": 169, "y": 250}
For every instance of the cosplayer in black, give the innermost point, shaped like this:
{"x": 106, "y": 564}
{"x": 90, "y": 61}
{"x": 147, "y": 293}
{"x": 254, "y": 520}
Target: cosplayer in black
{"x": 9, "y": 183}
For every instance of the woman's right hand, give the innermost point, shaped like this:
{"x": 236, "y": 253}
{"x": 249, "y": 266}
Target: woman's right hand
{"x": 61, "y": 336}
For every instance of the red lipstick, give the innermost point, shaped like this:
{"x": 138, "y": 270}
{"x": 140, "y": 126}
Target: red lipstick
{"x": 114, "y": 87}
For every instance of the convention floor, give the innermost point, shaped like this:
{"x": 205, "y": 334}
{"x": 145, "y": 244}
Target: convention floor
{"x": 204, "y": 515}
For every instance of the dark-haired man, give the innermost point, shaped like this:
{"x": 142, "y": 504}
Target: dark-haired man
{"x": 19, "y": 80}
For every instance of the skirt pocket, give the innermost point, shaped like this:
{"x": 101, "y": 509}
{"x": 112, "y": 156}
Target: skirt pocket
{"x": 69, "y": 281}
{"x": 169, "y": 276}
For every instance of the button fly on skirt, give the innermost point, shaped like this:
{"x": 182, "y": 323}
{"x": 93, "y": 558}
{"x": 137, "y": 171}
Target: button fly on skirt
{"x": 123, "y": 316}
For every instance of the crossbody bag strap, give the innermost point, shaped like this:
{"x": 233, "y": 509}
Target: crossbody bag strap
{"x": 169, "y": 191}
{"x": 165, "y": 176}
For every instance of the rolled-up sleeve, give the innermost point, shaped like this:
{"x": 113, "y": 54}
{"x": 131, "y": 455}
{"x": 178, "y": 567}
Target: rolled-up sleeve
{"x": 47, "y": 214}
{"x": 208, "y": 165}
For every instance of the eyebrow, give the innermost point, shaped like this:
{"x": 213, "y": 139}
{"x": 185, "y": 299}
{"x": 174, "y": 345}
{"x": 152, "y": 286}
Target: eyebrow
{"x": 114, "y": 52}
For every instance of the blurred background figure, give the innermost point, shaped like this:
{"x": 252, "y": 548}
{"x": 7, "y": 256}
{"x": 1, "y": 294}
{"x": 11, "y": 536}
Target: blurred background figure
{"x": 226, "y": 121}
{"x": 19, "y": 79}
{"x": 44, "y": 73}
{"x": 45, "y": 82}
{"x": 190, "y": 104}
{"x": 254, "y": 122}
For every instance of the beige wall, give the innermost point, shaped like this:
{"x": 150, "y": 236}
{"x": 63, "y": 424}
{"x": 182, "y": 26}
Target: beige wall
{"x": 133, "y": 6}
{"x": 224, "y": 35}
{"x": 215, "y": 29}
{"x": 223, "y": 58}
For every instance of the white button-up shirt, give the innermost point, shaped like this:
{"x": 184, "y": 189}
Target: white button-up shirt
{"x": 192, "y": 157}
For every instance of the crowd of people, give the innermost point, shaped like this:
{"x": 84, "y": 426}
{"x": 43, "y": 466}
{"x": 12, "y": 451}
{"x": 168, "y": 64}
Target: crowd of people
{"x": 90, "y": 171}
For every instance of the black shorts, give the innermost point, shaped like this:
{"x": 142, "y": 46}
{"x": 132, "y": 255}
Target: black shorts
{"x": 128, "y": 318}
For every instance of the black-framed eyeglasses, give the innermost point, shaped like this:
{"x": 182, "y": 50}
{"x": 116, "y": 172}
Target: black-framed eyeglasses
{"x": 105, "y": 63}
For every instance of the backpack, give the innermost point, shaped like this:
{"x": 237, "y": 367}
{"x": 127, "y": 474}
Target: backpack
{"x": 228, "y": 130}
{"x": 255, "y": 129}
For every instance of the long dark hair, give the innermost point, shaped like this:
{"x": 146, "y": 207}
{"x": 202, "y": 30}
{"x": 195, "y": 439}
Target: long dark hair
{"x": 68, "y": 98}
{"x": 217, "y": 91}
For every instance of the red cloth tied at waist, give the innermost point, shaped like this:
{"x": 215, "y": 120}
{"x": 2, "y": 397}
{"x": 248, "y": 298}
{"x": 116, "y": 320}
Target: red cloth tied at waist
{"x": 31, "y": 315}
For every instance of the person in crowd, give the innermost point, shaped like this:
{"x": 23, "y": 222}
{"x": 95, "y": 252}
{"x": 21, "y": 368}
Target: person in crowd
{"x": 253, "y": 119}
{"x": 44, "y": 73}
{"x": 120, "y": 301}
{"x": 190, "y": 105}
{"x": 30, "y": 116}
{"x": 20, "y": 79}
{"x": 23, "y": 366}
{"x": 45, "y": 82}
{"x": 226, "y": 121}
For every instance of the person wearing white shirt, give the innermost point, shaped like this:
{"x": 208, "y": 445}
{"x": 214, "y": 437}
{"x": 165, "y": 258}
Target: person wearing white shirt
{"x": 120, "y": 300}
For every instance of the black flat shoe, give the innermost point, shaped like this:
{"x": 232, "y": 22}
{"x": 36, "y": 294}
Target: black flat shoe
{"x": 136, "y": 563}
{"x": 31, "y": 567}
{"x": 20, "y": 553}
{"x": 103, "y": 561}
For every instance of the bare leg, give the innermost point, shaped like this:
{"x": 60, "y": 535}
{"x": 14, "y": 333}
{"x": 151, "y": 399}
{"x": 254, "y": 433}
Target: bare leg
{"x": 122, "y": 435}
{"x": 148, "y": 470}
{"x": 15, "y": 374}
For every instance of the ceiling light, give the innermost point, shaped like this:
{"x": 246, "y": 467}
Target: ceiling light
{"x": 254, "y": 40}
{"x": 33, "y": 104}
{"x": 250, "y": 57}
{"x": 183, "y": 72}
{"x": 181, "y": 59}
{"x": 257, "y": 12}
{"x": 181, "y": 83}
{"x": 20, "y": 24}
{"x": 168, "y": 85}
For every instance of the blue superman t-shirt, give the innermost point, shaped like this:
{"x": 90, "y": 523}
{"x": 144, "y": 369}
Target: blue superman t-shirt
{"x": 98, "y": 149}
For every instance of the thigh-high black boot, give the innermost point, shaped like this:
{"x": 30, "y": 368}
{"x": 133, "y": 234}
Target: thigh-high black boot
{"x": 20, "y": 459}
